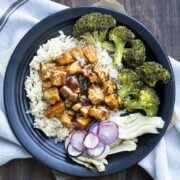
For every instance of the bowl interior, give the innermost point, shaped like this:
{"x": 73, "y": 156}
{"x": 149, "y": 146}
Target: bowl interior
{"x": 46, "y": 150}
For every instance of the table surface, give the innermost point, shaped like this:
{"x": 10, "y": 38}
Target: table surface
{"x": 162, "y": 17}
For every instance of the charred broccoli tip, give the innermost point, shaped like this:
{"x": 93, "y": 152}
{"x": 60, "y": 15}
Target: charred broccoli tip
{"x": 93, "y": 27}
{"x": 134, "y": 56}
{"x": 152, "y": 72}
{"x": 131, "y": 84}
{"x": 147, "y": 100}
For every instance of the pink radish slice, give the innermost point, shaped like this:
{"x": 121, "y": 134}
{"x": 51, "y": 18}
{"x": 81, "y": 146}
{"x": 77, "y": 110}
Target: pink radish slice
{"x": 91, "y": 140}
{"x": 98, "y": 151}
{"x": 108, "y": 134}
{"x": 77, "y": 140}
{"x": 94, "y": 128}
{"x": 72, "y": 151}
{"x": 109, "y": 123}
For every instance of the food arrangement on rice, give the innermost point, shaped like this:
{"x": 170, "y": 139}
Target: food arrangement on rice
{"x": 79, "y": 86}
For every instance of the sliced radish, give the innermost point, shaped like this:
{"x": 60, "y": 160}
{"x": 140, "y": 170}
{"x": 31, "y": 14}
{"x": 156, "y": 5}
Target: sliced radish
{"x": 105, "y": 153}
{"x": 96, "y": 151}
{"x": 108, "y": 134}
{"x": 109, "y": 123}
{"x": 72, "y": 151}
{"x": 77, "y": 140}
{"x": 94, "y": 128}
{"x": 91, "y": 140}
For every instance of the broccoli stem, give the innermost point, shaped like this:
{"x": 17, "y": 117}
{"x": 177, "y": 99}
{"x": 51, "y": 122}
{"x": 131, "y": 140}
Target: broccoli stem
{"x": 133, "y": 104}
{"x": 89, "y": 38}
{"x": 102, "y": 35}
{"x": 108, "y": 46}
{"x": 123, "y": 92}
{"x": 119, "y": 48}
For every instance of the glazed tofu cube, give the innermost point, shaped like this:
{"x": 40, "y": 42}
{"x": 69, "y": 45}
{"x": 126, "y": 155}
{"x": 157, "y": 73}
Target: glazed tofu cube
{"x": 109, "y": 87}
{"x": 95, "y": 94}
{"x": 112, "y": 101}
{"x": 77, "y": 53}
{"x": 46, "y": 84}
{"x": 64, "y": 59}
{"x": 92, "y": 77}
{"x": 82, "y": 123}
{"x": 58, "y": 78}
{"x": 101, "y": 74}
{"x": 58, "y": 68}
{"x": 67, "y": 93}
{"x": 84, "y": 111}
{"x": 44, "y": 72}
{"x": 54, "y": 110}
{"x": 73, "y": 84}
{"x": 51, "y": 95}
{"x": 99, "y": 114}
{"x": 77, "y": 107}
{"x": 73, "y": 68}
{"x": 85, "y": 72}
{"x": 66, "y": 121}
{"x": 90, "y": 54}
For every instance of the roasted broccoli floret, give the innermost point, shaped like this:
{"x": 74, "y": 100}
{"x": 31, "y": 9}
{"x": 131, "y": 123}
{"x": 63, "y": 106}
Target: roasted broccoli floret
{"x": 147, "y": 100}
{"x": 131, "y": 84}
{"x": 152, "y": 72}
{"x": 134, "y": 56}
{"x": 120, "y": 35}
{"x": 93, "y": 27}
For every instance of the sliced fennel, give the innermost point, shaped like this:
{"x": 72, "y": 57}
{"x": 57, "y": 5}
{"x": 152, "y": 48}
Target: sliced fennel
{"x": 136, "y": 124}
{"x": 100, "y": 164}
{"x": 87, "y": 165}
{"x": 127, "y": 145}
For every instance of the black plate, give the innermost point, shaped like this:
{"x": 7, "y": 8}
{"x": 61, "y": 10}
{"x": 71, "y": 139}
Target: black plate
{"x": 16, "y": 103}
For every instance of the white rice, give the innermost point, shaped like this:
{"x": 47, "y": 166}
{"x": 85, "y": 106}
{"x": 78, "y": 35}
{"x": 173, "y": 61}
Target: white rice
{"x": 49, "y": 51}
{"x": 106, "y": 62}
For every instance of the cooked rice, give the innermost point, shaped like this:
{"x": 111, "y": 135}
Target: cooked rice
{"x": 49, "y": 51}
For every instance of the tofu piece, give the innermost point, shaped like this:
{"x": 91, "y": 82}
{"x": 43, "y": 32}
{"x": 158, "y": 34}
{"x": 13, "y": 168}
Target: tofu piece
{"x": 66, "y": 121}
{"x": 58, "y": 68}
{"x": 112, "y": 101}
{"x": 46, "y": 84}
{"x": 54, "y": 110}
{"x": 51, "y": 95}
{"x": 92, "y": 77}
{"x": 73, "y": 84}
{"x": 84, "y": 111}
{"x": 64, "y": 59}
{"x": 77, "y": 107}
{"x": 101, "y": 74}
{"x": 99, "y": 114}
{"x": 95, "y": 94}
{"x": 77, "y": 53}
{"x": 73, "y": 68}
{"x": 85, "y": 72}
{"x": 67, "y": 93}
{"x": 90, "y": 54}
{"x": 82, "y": 123}
{"x": 58, "y": 77}
{"x": 109, "y": 87}
{"x": 44, "y": 72}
